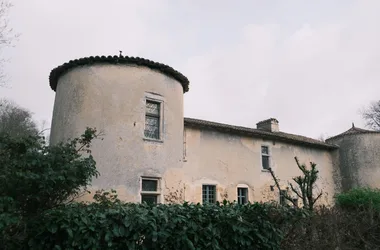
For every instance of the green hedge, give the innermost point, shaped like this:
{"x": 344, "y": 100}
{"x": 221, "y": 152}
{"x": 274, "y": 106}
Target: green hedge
{"x": 140, "y": 226}
{"x": 359, "y": 198}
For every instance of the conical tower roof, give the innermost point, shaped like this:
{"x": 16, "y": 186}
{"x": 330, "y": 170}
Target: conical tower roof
{"x": 354, "y": 130}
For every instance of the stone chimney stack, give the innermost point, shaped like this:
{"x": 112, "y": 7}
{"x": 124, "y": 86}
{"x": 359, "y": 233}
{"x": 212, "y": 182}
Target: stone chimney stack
{"x": 270, "y": 125}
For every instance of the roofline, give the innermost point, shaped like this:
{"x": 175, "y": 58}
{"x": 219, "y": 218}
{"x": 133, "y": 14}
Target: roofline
{"x": 353, "y": 133}
{"x": 279, "y": 136}
{"x": 57, "y": 72}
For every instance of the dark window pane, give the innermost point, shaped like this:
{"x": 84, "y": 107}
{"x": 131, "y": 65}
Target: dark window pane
{"x": 265, "y": 160}
{"x": 208, "y": 194}
{"x": 242, "y": 195}
{"x": 264, "y": 150}
{"x": 282, "y": 197}
{"x": 152, "y": 127}
{"x": 152, "y": 108}
{"x": 149, "y": 185}
{"x": 149, "y": 198}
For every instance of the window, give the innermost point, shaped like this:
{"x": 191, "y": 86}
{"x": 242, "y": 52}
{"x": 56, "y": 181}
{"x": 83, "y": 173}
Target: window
{"x": 242, "y": 195}
{"x": 295, "y": 202}
{"x": 150, "y": 190}
{"x": 208, "y": 194}
{"x": 152, "y": 120}
{"x": 265, "y": 157}
{"x": 282, "y": 197}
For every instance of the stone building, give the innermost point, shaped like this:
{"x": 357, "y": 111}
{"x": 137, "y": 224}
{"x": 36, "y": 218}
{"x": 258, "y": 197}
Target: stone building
{"x": 358, "y": 157}
{"x": 150, "y": 152}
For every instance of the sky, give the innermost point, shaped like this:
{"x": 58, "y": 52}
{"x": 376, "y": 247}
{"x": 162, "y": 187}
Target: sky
{"x": 313, "y": 65}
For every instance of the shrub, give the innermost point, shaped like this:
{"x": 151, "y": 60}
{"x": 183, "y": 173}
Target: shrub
{"x": 359, "y": 198}
{"x": 35, "y": 178}
{"x": 335, "y": 228}
{"x": 142, "y": 226}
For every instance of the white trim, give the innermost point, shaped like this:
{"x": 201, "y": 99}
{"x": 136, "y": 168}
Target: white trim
{"x": 158, "y": 192}
{"x": 269, "y": 155}
{"x": 216, "y": 191}
{"x": 160, "y": 100}
{"x": 242, "y": 186}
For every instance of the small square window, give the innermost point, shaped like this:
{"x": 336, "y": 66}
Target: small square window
{"x": 208, "y": 194}
{"x": 149, "y": 198}
{"x": 242, "y": 195}
{"x": 264, "y": 150}
{"x": 152, "y": 120}
{"x": 150, "y": 190}
{"x": 149, "y": 185}
{"x": 265, "y": 157}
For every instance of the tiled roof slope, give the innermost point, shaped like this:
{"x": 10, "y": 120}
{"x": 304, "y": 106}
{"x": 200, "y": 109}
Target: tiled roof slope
{"x": 354, "y": 130}
{"x": 279, "y": 136}
{"x": 56, "y": 73}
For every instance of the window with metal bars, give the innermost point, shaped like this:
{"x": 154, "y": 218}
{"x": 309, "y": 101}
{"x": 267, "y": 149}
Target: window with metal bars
{"x": 208, "y": 194}
{"x": 265, "y": 157}
{"x": 152, "y": 120}
{"x": 150, "y": 190}
{"x": 242, "y": 195}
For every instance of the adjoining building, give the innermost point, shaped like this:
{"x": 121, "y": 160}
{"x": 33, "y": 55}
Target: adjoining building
{"x": 150, "y": 152}
{"x": 358, "y": 157}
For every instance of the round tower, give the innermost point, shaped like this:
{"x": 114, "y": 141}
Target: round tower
{"x": 359, "y": 157}
{"x": 137, "y": 104}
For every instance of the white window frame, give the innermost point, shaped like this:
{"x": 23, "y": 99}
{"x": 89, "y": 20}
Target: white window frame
{"x": 269, "y": 157}
{"x": 151, "y": 97}
{"x": 156, "y": 193}
{"x": 237, "y": 194}
{"x": 215, "y": 193}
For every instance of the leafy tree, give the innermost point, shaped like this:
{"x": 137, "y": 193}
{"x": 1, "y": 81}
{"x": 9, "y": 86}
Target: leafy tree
{"x": 35, "y": 178}
{"x": 15, "y": 120}
{"x": 372, "y": 115}
{"x": 305, "y": 185}
{"x": 38, "y": 177}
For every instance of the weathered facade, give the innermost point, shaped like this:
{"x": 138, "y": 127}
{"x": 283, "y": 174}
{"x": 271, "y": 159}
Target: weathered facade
{"x": 150, "y": 152}
{"x": 359, "y": 158}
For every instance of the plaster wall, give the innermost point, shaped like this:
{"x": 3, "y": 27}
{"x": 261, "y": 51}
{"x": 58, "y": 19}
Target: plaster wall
{"x": 112, "y": 98}
{"x": 229, "y": 161}
{"x": 359, "y": 160}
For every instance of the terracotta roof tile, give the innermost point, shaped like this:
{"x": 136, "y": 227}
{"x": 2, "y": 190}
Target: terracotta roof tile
{"x": 57, "y": 72}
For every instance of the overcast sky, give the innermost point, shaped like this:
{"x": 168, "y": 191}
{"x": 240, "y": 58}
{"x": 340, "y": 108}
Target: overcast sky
{"x": 311, "y": 64}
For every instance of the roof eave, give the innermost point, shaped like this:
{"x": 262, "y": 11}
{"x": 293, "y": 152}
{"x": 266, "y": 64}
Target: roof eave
{"x": 261, "y": 135}
{"x": 57, "y": 72}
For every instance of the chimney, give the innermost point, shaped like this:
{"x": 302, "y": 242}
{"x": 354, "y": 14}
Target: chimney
{"x": 270, "y": 125}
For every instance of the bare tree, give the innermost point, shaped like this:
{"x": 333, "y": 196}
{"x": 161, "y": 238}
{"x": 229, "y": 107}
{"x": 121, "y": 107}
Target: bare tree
{"x": 44, "y": 131}
{"x": 15, "y": 120}
{"x": 7, "y": 37}
{"x": 305, "y": 185}
{"x": 372, "y": 115}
